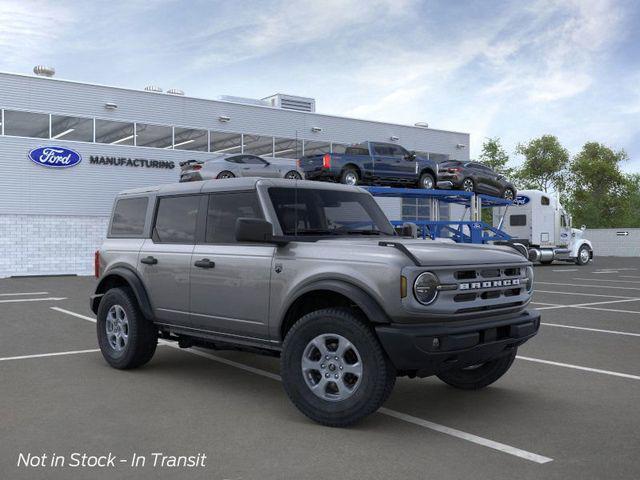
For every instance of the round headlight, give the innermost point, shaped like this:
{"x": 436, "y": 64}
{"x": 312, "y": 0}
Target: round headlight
{"x": 425, "y": 288}
{"x": 529, "y": 274}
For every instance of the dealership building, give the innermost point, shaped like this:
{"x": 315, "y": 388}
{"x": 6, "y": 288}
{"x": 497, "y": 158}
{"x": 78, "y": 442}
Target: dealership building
{"x": 53, "y": 219}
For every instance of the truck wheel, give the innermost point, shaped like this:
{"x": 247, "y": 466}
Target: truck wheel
{"x": 349, "y": 176}
{"x": 508, "y": 194}
{"x": 334, "y": 369}
{"x": 427, "y": 182}
{"x": 584, "y": 255}
{"x": 126, "y": 338}
{"x": 225, "y": 174}
{"x": 468, "y": 185}
{"x": 479, "y": 376}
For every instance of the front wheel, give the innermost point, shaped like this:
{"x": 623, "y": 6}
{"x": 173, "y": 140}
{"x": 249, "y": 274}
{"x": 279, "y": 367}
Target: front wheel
{"x": 508, "y": 194}
{"x": 126, "y": 338}
{"x": 427, "y": 181}
{"x": 481, "y": 375}
{"x": 468, "y": 185}
{"x": 334, "y": 369}
{"x": 349, "y": 177}
{"x": 584, "y": 255}
{"x": 225, "y": 174}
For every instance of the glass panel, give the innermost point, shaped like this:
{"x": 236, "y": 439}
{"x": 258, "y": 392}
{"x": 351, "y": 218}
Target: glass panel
{"x": 190, "y": 139}
{"x": 316, "y": 148}
{"x": 517, "y": 220}
{"x": 438, "y": 157}
{"x": 287, "y": 148}
{"x": 71, "y": 128}
{"x": 157, "y": 136}
{"x": 128, "y": 216}
{"x": 338, "y": 147}
{"x": 115, "y": 133}
{"x": 26, "y": 124}
{"x": 223, "y": 212}
{"x": 226, "y": 142}
{"x": 176, "y": 219}
{"x": 257, "y": 145}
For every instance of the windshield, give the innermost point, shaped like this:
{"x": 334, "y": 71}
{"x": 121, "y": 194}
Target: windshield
{"x": 303, "y": 211}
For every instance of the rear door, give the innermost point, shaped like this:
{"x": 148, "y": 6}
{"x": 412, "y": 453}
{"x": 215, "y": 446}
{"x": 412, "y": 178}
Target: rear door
{"x": 383, "y": 161}
{"x": 253, "y": 166}
{"x": 229, "y": 291}
{"x": 165, "y": 259}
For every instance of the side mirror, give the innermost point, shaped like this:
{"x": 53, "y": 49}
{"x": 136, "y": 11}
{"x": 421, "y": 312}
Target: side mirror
{"x": 408, "y": 229}
{"x": 410, "y": 156}
{"x": 255, "y": 230}
{"x": 583, "y": 228}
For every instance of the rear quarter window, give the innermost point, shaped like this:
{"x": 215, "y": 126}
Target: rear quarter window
{"x": 128, "y": 217}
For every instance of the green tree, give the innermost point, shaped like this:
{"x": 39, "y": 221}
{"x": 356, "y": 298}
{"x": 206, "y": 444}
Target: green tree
{"x": 600, "y": 194}
{"x": 494, "y": 156}
{"x": 545, "y": 164}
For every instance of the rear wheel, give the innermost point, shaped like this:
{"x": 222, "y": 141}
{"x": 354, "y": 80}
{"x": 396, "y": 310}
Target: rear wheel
{"x": 126, "y": 338}
{"x": 293, "y": 175}
{"x": 349, "y": 176}
{"x": 508, "y": 194}
{"x": 468, "y": 185}
{"x": 584, "y": 255}
{"x": 225, "y": 174}
{"x": 481, "y": 375}
{"x": 334, "y": 369}
{"x": 427, "y": 181}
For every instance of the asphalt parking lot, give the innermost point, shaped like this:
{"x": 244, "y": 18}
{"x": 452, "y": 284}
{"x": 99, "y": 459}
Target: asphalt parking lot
{"x": 568, "y": 408}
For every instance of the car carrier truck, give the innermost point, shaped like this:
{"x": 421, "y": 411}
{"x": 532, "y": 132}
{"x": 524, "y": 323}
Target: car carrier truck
{"x": 538, "y": 220}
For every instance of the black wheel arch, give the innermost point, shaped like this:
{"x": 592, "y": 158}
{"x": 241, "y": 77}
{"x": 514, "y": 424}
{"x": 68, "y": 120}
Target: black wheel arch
{"x": 347, "y": 294}
{"x": 430, "y": 171}
{"x": 352, "y": 166}
{"x": 119, "y": 276}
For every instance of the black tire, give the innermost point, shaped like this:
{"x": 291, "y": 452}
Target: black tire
{"x": 474, "y": 378}
{"x": 225, "y": 174}
{"x": 293, "y": 175}
{"x": 142, "y": 334}
{"x": 468, "y": 185}
{"x": 348, "y": 174}
{"x": 509, "y": 194}
{"x": 378, "y": 374}
{"x": 425, "y": 180}
{"x": 579, "y": 258}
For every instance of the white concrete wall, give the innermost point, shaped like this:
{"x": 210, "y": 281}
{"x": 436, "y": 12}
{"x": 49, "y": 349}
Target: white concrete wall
{"x": 611, "y": 242}
{"x": 49, "y": 244}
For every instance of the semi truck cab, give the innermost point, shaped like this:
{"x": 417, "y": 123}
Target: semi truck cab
{"x": 538, "y": 220}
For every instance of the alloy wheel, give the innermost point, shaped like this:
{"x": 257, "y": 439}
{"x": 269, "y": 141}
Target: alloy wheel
{"x": 117, "y": 328}
{"x": 351, "y": 178}
{"x": 467, "y": 185}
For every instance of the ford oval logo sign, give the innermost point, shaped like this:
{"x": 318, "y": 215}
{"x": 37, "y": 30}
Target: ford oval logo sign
{"x": 55, "y": 157}
{"x": 521, "y": 200}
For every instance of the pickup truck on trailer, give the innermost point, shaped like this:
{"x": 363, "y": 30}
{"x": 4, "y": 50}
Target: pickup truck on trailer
{"x": 372, "y": 163}
{"x": 315, "y": 274}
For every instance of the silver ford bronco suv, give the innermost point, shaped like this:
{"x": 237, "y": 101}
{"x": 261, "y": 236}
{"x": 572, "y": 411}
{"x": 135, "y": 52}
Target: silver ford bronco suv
{"x": 313, "y": 273}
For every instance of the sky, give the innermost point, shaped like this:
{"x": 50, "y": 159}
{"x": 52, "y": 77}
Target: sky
{"x": 509, "y": 69}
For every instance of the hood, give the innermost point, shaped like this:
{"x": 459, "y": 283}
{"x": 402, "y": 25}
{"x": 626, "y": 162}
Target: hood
{"x": 433, "y": 253}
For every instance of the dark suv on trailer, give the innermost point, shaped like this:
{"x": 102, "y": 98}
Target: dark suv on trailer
{"x": 474, "y": 177}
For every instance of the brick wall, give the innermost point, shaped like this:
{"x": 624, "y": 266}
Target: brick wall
{"x": 49, "y": 244}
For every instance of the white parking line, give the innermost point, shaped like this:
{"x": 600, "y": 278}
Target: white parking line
{"x": 587, "y": 305}
{"x": 54, "y": 354}
{"x": 566, "y": 270}
{"x": 48, "y": 299}
{"x": 582, "y": 294}
{"x": 611, "y": 310}
{"x": 588, "y": 286}
{"x": 579, "y": 367}
{"x": 533, "y": 457}
{"x": 606, "y": 280}
{"x": 26, "y": 293}
{"x": 613, "y": 332}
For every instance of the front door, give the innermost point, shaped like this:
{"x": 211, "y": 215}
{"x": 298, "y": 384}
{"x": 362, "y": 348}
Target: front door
{"x": 165, "y": 259}
{"x": 229, "y": 291}
{"x": 253, "y": 166}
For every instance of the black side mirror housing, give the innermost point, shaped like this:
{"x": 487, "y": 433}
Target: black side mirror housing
{"x": 256, "y": 230}
{"x": 411, "y": 155}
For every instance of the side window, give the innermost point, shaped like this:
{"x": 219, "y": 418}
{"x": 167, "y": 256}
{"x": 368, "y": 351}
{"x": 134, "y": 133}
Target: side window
{"x": 517, "y": 220}
{"x": 544, "y": 201}
{"x": 223, "y": 211}
{"x": 128, "y": 216}
{"x": 397, "y": 151}
{"x": 238, "y": 159}
{"x": 382, "y": 150}
{"x": 176, "y": 219}
{"x": 253, "y": 160}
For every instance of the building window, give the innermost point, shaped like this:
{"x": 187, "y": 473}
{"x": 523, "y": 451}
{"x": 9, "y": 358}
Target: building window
{"x": 115, "y": 133}
{"x": 176, "y": 219}
{"x": 71, "y": 128}
{"x": 316, "y": 148}
{"x": 287, "y": 148}
{"x": 226, "y": 142}
{"x": 157, "y": 136}
{"x": 26, "y": 124}
{"x": 190, "y": 139}
{"x": 257, "y": 145}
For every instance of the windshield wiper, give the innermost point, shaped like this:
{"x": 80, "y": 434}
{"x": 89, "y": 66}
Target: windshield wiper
{"x": 312, "y": 231}
{"x": 363, "y": 232}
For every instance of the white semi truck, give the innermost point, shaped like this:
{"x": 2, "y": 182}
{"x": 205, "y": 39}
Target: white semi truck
{"x": 537, "y": 220}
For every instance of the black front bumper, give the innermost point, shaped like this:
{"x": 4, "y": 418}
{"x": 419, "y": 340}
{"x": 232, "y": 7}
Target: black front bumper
{"x": 429, "y": 349}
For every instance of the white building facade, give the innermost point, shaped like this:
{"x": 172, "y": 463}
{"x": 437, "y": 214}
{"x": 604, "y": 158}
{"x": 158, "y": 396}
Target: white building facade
{"x": 53, "y": 219}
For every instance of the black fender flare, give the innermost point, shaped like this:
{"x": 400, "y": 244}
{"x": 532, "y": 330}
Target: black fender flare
{"x": 357, "y": 295}
{"x": 134, "y": 282}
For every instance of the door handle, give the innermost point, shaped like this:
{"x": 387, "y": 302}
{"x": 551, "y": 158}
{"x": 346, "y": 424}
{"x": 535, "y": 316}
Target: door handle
{"x": 205, "y": 263}
{"x": 149, "y": 260}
